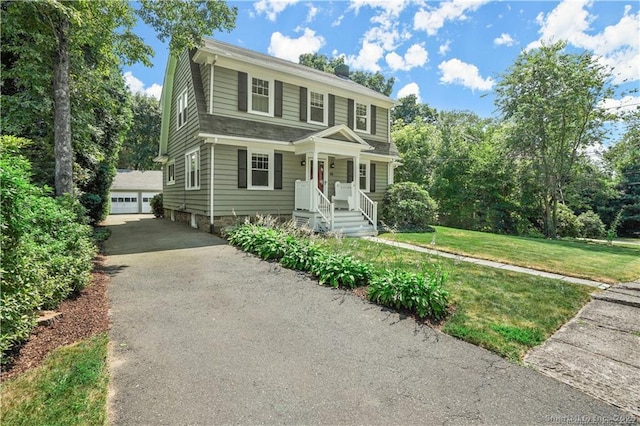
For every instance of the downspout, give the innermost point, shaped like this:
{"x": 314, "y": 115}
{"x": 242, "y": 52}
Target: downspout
{"x": 211, "y": 192}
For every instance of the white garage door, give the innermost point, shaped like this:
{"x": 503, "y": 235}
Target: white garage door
{"x": 146, "y": 198}
{"x": 124, "y": 202}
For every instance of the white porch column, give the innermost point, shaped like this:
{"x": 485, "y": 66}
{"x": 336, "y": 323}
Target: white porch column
{"x": 314, "y": 180}
{"x": 356, "y": 179}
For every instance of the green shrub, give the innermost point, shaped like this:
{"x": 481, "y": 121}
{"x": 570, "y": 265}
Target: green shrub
{"x": 422, "y": 293}
{"x": 339, "y": 270}
{"x": 591, "y": 225}
{"x": 46, "y": 254}
{"x": 301, "y": 255}
{"x": 408, "y": 207}
{"x": 568, "y": 224}
{"x": 157, "y": 205}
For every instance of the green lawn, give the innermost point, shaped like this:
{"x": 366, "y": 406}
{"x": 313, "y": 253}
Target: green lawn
{"x": 69, "y": 388}
{"x": 503, "y": 311}
{"x": 582, "y": 259}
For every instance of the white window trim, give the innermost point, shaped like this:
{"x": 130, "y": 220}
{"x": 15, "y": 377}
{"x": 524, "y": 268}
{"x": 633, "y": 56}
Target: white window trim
{"x": 271, "y": 171}
{"x": 187, "y": 170}
{"x": 355, "y": 117}
{"x": 250, "y": 96}
{"x": 183, "y": 104}
{"x": 171, "y": 181}
{"x": 367, "y": 164}
{"x": 325, "y": 109}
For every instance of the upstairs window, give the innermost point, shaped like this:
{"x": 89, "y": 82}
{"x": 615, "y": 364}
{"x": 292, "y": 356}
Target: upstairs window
{"x": 260, "y": 96}
{"x": 171, "y": 173}
{"x": 192, "y": 170}
{"x": 361, "y": 117}
{"x": 182, "y": 109}
{"x": 317, "y": 108}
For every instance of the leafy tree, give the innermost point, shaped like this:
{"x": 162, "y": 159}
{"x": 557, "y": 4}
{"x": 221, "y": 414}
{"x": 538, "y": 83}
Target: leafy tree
{"x": 140, "y": 144}
{"x": 624, "y": 158}
{"x": 375, "y": 81}
{"x": 409, "y": 110}
{"x": 63, "y": 36}
{"x": 418, "y": 144}
{"x": 553, "y": 99}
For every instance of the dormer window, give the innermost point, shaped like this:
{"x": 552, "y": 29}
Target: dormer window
{"x": 261, "y": 96}
{"x": 361, "y": 117}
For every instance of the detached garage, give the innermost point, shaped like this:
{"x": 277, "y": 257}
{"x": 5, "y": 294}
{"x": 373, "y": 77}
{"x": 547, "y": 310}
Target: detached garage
{"x": 132, "y": 191}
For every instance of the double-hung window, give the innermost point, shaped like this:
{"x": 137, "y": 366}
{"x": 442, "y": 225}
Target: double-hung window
{"x": 182, "y": 109}
{"x": 317, "y": 108}
{"x": 261, "y": 169}
{"x": 361, "y": 117}
{"x": 261, "y": 96}
{"x": 364, "y": 176}
{"x": 171, "y": 172}
{"x": 192, "y": 170}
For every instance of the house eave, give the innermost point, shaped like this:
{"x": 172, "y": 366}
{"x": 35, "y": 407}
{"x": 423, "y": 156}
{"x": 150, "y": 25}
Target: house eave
{"x": 227, "y": 55}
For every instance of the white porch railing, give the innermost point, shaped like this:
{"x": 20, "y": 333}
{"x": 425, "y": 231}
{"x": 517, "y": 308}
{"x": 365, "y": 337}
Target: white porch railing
{"x": 308, "y": 197}
{"x": 325, "y": 208}
{"x": 369, "y": 209}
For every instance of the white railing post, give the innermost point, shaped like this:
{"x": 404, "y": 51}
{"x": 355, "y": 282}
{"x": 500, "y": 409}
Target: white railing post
{"x": 332, "y": 217}
{"x": 369, "y": 209}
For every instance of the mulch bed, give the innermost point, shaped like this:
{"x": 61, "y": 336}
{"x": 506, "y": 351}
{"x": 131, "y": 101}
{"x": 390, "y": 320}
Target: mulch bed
{"x": 83, "y": 315}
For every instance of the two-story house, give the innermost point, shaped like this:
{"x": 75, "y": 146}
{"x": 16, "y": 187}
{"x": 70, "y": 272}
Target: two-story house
{"x": 245, "y": 133}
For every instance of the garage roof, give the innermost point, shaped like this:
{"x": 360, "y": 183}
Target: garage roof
{"x": 130, "y": 180}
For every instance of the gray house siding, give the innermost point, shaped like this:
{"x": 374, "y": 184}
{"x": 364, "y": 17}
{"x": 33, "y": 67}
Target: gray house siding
{"x": 230, "y": 200}
{"x": 176, "y": 197}
{"x": 226, "y": 104}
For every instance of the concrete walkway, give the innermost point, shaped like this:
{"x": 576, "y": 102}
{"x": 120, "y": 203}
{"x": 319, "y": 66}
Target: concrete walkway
{"x": 204, "y": 334}
{"x": 490, "y": 263}
{"x": 598, "y": 351}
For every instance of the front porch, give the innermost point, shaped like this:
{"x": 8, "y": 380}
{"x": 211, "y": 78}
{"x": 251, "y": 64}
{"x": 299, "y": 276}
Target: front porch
{"x": 349, "y": 211}
{"x": 342, "y": 205}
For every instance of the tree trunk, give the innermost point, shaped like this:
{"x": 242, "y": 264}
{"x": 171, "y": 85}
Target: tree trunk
{"x": 62, "y": 117}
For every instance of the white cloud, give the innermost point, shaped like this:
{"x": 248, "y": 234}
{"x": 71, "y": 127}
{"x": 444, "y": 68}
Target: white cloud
{"x": 617, "y": 46}
{"x": 313, "y": 11}
{"x": 626, "y": 104}
{"x": 288, "y": 48}
{"x": 136, "y": 85}
{"x": 368, "y": 57}
{"x": 338, "y": 21}
{"x": 432, "y": 20}
{"x": 504, "y": 40}
{"x": 387, "y": 38}
{"x": 416, "y": 56}
{"x": 444, "y": 48}
{"x": 390, "y": 7}
{"x": 271, "y": 8}
{"x": 155, "y": 90}
{"x": 410, "y": 89}
{"x": 454, "y": 71}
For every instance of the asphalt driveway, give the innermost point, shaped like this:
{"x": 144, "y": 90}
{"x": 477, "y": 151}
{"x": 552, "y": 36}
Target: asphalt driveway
{"x": 204, "y": 334}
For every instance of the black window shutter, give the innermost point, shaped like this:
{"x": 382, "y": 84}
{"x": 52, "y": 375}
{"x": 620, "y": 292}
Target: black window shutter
{"x": 332, "y": 110}
{"x": 242, "y": 91}
{"x": 278, "y": 106}
{"x": 372, "y": 177}
{"x": 349, "y": 171}
{"x": 373, "y": 119}
{"x": 350, "y": 112}
{"x": 303, "y": 104}
{"x": 242, "y": 168}
{"x": 277, "y": 184}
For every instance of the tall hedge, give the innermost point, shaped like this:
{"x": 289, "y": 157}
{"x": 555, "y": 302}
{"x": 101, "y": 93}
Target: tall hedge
{"x": 46, "y": 251}
{"x": 408, "y": 207}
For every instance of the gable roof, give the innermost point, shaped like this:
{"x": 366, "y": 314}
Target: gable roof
{"x": 130, "y": 180}
{"x": 212, "y": 48}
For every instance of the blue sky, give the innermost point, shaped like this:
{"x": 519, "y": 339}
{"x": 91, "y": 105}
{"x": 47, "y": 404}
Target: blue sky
{"x": 449, "y": 53}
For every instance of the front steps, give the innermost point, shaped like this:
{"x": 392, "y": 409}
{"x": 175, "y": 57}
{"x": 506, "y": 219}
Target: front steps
{"x": 348, "y": 223}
